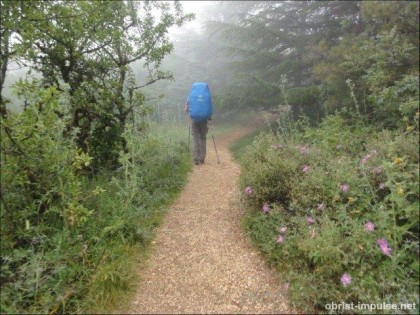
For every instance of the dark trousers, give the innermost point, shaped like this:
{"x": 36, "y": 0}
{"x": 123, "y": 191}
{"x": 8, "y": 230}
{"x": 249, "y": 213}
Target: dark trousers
{"x": 199, "y": 131}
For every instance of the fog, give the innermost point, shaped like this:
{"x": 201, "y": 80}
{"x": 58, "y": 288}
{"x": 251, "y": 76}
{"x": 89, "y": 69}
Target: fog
{"x": 251, "y": 52}
{"x": 197, "y": 56}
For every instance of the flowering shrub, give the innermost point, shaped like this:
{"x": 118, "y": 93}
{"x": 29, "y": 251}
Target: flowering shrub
{"x": 343, "y": 220}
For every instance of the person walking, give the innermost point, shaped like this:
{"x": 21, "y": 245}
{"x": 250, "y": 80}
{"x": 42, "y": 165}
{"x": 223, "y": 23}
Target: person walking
{"x": 200, "y": 109}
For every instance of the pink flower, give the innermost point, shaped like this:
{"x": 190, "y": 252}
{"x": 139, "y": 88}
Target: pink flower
{"x": 286, "y": 286}
{"x": 368, "y": 156}
{"x": 310, "y": 220}
{"x": 280, "y": 239}
{"x": 320, "y": 206}
{"x": 365, "y": 159}
{"x": 305, "y": 168}
{"x": 386, "y": 250}
{"x": 369, "y": 226}
{"x": 344, "y": 187}
{"x": 345, "y": 279}
{"x": 382, "y": 242}
{"x": 384, "y": 246}
{"x": 266, "y": 208}
{"x": 303, "y": 149}
{"x": 248, "y": 190}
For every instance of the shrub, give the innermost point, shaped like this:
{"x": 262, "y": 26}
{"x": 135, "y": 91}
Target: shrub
{"x": 68, "y": 240}
{"x": 340, "y": 219}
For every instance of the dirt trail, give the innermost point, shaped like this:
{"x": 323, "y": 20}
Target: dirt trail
{"x": 202, "y": 262}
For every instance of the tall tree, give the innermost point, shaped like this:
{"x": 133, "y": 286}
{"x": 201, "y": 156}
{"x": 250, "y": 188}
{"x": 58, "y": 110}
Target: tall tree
{"x": 272, "y": 39}
{"x": 88, "y": 47}
{"x": 376, "y": 69}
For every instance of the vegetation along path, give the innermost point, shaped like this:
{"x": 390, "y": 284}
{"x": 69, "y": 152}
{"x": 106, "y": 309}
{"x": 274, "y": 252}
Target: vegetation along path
{"x": 202, "y": 261}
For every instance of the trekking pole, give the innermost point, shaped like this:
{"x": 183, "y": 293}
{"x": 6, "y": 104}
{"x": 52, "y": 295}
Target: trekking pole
{"x": 189, "y": 136}
{"x": 218, "y": 161}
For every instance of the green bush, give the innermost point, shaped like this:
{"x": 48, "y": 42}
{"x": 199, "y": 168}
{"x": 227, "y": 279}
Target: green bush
{"x": 68, "y": 241}
{"x": 335, "y": 209}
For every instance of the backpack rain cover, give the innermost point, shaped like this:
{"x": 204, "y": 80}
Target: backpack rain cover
{"x": 200, "y": 106}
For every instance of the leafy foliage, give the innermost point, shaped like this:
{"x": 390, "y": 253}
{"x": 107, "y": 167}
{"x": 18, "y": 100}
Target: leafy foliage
{"x": 67, "y": 240}
{"x": 89, "y": 46}
{"x": 335, "y": 207}
{"x": 320, "y": 46}
{"x": 323, "y": 186}
{"x": 72, "y": 219}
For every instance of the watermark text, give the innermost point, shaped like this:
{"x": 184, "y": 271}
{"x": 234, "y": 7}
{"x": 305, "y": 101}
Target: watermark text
{"x": 370, "y": 306}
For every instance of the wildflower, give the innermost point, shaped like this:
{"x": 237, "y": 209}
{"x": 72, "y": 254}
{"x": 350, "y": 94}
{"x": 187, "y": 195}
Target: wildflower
{"x": 344, "y": 187}
{"x": 409, "y": 128}
{"x": 320, "y": 206}
{"x": 266, "y": 208}
{"x": 338, "y": 146}
{"x": 365, "y": 159}
{"x": 351, "y": 200}
{"x": 382, "y": 185}
{"x": 400, "y": 192}
{"x": 384, "y": 246}
{"x": 369, "y": 226}
{"x": 386, "y": 250}
{"x": 345, "y": 279}
{"x": 280, "y": 239}
{"x": 378, "y": 170}
{"x": 248, "y": 190}
{"x": 382, "y": 242}
{"x": 305, "y": 168}
{"x": 303, "y": 149}
{"x": 310, "y": 220}
{"x": 398, "y": 160}
{"x": 286, "y": 286}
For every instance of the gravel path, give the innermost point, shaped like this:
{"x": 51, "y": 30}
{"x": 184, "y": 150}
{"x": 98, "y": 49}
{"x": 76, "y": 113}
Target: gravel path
{"x": 202, "y": 262}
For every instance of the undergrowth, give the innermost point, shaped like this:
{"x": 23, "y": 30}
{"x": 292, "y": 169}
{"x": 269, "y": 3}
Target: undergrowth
{"x": 335, "y": 210}
{"x": 70, "y": 240}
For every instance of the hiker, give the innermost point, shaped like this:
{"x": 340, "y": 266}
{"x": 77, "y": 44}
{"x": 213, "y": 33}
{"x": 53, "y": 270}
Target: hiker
{"x": 200, "y": 108}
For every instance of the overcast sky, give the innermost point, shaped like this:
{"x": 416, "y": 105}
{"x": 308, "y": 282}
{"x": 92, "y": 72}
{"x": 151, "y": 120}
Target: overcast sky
{"x": 197, "y": 7}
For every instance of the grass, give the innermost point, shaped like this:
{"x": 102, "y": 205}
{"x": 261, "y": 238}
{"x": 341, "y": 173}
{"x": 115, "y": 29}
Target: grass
{"x": 83, "y": 255}
{"x": 238, "y": 147}
{"x": 133, "y": 256}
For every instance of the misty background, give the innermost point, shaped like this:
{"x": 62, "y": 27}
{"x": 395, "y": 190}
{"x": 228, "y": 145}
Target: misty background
{"x": 257, "y": 55}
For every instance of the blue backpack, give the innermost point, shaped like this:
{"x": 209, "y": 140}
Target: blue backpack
{"x": 200, "y": 106}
